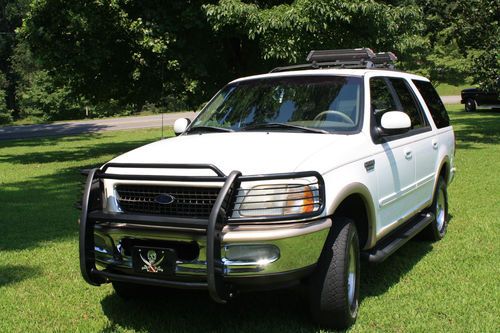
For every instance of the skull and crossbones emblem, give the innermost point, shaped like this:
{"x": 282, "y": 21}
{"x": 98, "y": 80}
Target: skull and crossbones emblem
{"x": 152, "y": 265}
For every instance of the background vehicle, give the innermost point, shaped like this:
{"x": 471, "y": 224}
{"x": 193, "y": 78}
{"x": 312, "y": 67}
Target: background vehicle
{"x": 474, "y": 98}
{"x": 284, "y": 178}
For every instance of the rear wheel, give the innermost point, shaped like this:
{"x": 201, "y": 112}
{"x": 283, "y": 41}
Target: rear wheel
{"x": 437, "y": 229}
{"x": 334, "y": 286}
{"x": 470, "y": 105}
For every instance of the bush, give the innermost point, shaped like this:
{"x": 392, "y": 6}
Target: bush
{"x": 39, "y": 97}
{"x": 5, "y": 114}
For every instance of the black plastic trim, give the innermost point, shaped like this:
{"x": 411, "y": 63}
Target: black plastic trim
{"x": 111, "y": 276}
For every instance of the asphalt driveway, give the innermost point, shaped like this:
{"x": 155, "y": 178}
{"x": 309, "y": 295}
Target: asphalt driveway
{"x": 88, "y": 126}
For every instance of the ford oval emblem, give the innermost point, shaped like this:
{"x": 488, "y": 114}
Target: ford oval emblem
{"x": 164, "y": 199}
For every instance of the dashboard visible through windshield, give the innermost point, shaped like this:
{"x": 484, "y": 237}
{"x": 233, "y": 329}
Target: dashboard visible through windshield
{"x": 319, "y": 103}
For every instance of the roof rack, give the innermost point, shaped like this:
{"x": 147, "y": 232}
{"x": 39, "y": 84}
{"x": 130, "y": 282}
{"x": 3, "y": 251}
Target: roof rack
{"x": 344, "y": 58}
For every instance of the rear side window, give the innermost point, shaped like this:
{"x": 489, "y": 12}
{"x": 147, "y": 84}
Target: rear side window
{"x": 434, "y": 103}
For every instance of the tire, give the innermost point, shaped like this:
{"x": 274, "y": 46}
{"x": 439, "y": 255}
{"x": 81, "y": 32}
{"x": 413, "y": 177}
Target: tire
{"x": 334, "y": 286}
{"x": 470, "y": 105}
{"x": 438, "y": 227}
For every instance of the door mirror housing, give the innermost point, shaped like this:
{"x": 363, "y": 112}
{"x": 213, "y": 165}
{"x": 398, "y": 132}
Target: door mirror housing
{"x": 180, "y": 125}
{"x": 394, "y": 122}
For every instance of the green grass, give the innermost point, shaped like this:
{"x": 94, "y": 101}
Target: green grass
{"x": 449, "y": 286}
{"x": 445, "y": 89}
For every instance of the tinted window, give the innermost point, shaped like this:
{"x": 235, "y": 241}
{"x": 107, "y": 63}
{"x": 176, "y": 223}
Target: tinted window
{"x": 381, "y": 98}
{"x": 408, "y": 103}
{"x": 434, "y": 103}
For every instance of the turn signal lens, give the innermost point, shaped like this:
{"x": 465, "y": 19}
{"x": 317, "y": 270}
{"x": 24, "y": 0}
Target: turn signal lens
{"x": 300, "y": 203}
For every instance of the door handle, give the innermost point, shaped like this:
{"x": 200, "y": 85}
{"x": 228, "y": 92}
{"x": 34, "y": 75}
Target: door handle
{"x": 434, "y": 144}
{"x": 408, "y": 154}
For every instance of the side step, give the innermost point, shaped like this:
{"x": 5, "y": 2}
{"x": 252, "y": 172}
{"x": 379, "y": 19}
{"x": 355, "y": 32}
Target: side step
{"x": 394, "y": 241}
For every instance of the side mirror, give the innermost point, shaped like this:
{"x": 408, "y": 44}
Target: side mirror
{"x": 394, "y": 122}
{"x": 180, "y": 125}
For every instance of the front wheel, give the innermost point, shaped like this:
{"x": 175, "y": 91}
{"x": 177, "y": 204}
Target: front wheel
{"x": 334, "y": 286}
{"x": 470, "y": 105}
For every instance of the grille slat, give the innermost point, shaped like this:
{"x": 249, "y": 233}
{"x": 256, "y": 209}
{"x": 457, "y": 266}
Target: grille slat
{"x": 189, "y": 202}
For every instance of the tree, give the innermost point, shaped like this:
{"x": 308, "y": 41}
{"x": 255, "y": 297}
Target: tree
{"x": 5, "y": 116}
{"x": 288, "y": 31}
{"x": 129, "y": 51}
{"x": 11, "y": 13}
{"x": 464, "y": 40}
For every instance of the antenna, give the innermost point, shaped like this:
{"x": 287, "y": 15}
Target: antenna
{"x": 162, "y": 97}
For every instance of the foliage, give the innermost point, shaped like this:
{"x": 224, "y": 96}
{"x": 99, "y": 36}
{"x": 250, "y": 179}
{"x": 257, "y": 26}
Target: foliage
{"x": 487, "y": 69}
{"x": 11, "y": 14}
{"x": 470, "y": 29}
{"x": 5, "y": 116}
{"x": 41, "y": 98}
{"x": 114, "y": 57}
{"x": 129, "y": 51}
{"x": 289, "y": 31}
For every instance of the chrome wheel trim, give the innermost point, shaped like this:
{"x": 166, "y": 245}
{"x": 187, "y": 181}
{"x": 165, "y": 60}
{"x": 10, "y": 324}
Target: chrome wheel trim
{"x": 351, "y": 277}
{"x": 440, "y": 211}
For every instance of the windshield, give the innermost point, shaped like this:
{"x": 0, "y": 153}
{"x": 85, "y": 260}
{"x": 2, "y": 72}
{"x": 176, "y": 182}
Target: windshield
{"x": 294, "y": 103}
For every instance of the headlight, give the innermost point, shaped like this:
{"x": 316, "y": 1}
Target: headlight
{"x": 277, "y": 200}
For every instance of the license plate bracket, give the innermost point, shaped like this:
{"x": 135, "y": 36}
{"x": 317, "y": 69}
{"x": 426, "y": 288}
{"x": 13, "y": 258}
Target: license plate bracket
{"x": 153, "y": 260}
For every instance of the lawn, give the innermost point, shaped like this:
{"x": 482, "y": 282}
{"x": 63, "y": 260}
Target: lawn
{"x": 449, "y": 286}
{"x": 446, "y": 89}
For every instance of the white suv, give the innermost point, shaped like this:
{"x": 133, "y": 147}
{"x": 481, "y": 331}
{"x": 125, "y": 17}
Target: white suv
{"x": 282, "y": 178}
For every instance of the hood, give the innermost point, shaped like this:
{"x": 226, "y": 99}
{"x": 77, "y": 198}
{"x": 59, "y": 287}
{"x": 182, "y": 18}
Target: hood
{"x": 249, "y": 152}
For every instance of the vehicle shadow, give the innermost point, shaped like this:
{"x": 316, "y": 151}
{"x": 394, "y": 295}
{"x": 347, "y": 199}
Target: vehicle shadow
{"x": 162, "y": 310}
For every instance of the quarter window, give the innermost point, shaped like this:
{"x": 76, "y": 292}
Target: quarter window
{"x": 433, "y": 102}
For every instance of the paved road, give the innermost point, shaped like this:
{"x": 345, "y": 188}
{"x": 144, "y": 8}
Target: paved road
{"x": 451, "y": 99}
{"x": 88, "y": 126}
{"x": 110, "y": 124}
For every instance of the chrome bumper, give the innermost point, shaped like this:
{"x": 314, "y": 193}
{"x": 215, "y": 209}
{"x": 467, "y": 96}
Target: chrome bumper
{"x": 299, "y": 245}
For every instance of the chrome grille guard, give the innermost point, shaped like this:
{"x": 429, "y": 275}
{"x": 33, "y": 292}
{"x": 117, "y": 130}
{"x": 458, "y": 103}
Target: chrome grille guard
{"x": 92, "y": 212}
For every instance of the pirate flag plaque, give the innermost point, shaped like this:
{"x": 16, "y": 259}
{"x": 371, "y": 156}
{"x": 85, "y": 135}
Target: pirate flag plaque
{"x": 154, "y": 260}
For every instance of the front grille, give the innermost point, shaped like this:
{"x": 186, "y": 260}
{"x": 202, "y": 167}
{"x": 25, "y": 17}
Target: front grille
{"x": 193, "y": 202}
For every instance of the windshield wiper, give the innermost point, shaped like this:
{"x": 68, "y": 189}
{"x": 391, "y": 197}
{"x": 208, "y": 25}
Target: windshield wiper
{"x": 202, "y": 128}
{"x": 282, "y": 126}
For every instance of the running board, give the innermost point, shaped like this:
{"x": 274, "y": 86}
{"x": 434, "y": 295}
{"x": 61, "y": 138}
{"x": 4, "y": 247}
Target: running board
{"x": 388, "y": 246}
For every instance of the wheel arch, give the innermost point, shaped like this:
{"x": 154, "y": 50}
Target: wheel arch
{"x": 443, "y": 170}
{"x": 347, "y": 203}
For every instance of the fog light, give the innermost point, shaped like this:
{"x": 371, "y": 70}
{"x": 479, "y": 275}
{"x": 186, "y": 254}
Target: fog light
{"x": 260, "y": 254}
